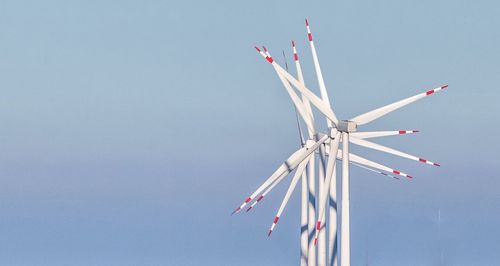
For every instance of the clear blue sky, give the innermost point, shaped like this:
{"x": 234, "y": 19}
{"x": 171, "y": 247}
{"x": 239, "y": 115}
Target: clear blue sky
{"x": 131, "y": 129}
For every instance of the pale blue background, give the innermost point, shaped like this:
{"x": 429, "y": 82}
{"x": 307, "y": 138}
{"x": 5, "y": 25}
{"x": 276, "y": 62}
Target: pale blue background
{"x": 131, "y": 129}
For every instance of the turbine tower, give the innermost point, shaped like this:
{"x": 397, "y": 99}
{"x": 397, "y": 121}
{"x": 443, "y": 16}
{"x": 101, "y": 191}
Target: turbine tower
{"x": 328, "y": 148}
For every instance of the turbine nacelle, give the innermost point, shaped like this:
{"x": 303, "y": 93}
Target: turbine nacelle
{"x": 347, "y": 126}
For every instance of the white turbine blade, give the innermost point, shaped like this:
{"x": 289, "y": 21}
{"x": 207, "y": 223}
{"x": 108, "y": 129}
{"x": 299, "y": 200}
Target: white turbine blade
{"x": 376, "y": 134}
{"x": 299, "y": 105}
{"x": 373, "y": 170}
{"x": 282, "y": 169}
{"x": 360, "y": 160}
{"x": 334, "y": 146}
{"x": 319, "y": 74}
{"x": 291, "y": 163}
{"x": 375, "y": 146}
{"x": 372, "y": 115}
{"x": 300, "y": 76}
{"x": 315, "y": 100}
{"x": 268, "y": 189}
{"x": 301, "y": 135}
{"x": 295, "y": 179}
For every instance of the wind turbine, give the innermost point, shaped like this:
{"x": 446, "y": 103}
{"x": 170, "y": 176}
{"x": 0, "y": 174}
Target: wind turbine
{"x": 328, "y": 145}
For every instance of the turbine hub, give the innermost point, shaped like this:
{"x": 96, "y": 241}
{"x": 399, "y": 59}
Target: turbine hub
{"x": 347, "y": 126}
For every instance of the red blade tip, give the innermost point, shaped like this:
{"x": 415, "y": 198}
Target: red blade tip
{"x": 257, "y": 48}
{"x": 444, "y": 87}
{"x": 235, "y": 211}
{"x": 269, "y": 233}
{"x": 293, "y": 43}
{"x": 307, "y": 22}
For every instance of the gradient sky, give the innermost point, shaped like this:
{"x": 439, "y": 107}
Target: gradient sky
{"x": 131, "y": 129}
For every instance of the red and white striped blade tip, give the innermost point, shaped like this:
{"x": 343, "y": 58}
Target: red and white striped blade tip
{"x": 429, "y": 92}
{"x": 408, "y": 131}
{"x": 268, "y": 57}
{"x": 397, "y": 172}
{"x": 255, "y": 203}
{"x": 275, "y": 221}
{"x": 386, "y": 174}
{"x": 422, "y": 160}
{"x": 295, "y": 55}
{"x": 242, "y": 205}
{"x": 309, "y": 33}
{"x": 236, "y": 211}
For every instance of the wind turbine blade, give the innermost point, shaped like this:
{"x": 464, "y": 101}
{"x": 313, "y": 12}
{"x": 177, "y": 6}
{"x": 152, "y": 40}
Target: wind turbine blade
{"x": 360, "y": 160}
{"x": 283, "y": 169}
{"x": 299, "y": 105}
{"x": 268, "y": 189}
{"x": 373, "y": 170}
{"x": 289, "y": 165}
{"x": 319, "y": 74}
{"x": 301, "y": 135}
{"x": 376, "y": 134}
{"x": 334, "y": 147}
{"x": 295, "y": 179}
{"x": 372, "y": 115}
{"x": 315, "y": 100}
{"x": 375, "y": 146}
{"x": 300, "y": 76}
